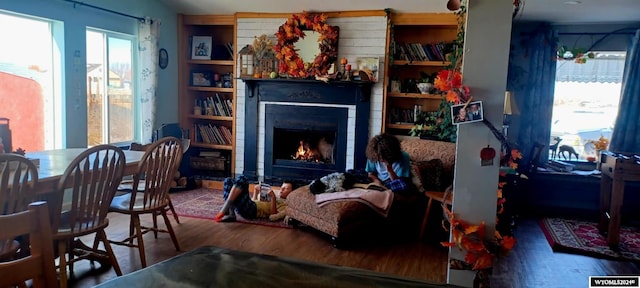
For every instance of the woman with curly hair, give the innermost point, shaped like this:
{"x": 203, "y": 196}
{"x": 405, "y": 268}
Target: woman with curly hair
{"x": 388, "y": 165}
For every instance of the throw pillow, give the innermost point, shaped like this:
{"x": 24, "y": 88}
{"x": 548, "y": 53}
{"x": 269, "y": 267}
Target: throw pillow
{"x": 427, "y": 175}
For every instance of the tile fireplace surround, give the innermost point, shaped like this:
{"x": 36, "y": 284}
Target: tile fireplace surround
{"x": 309, "y": 105}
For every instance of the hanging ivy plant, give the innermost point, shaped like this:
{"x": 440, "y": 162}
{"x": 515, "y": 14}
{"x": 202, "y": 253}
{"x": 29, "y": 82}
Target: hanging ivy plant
{"x": 578, "y": 55}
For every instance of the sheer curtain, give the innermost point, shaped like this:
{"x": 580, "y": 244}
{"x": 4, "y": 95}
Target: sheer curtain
{"x": 626, "y": 132}
{"x": 148, "y": 36}
{"x": 531, "y": 78}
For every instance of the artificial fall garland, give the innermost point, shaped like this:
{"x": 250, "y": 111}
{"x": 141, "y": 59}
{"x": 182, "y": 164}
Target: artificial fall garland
{"x": 291, "y": 31}
{"x": 472, "y": 238}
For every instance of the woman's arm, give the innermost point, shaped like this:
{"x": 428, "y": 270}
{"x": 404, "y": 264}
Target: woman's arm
{"x": 392, "y": 173}
{"x": 374, "y": 179}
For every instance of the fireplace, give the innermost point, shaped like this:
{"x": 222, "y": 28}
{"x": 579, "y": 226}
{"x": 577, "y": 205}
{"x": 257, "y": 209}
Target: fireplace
{"x": 304, "y": 129}
{"x": 306, "y": 140}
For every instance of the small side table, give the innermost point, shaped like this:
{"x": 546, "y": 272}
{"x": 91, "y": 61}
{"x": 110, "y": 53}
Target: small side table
{"x": 616, "y": 169}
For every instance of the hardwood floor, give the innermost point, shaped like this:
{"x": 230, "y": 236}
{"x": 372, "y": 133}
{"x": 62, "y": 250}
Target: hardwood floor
{"x": 532, "y": 263}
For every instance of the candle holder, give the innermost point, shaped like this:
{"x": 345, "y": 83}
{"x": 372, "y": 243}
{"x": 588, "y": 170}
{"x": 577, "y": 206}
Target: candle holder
{"x": 347, "y": 72}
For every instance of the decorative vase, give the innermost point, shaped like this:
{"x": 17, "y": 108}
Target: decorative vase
{"x": 454, "y": 5}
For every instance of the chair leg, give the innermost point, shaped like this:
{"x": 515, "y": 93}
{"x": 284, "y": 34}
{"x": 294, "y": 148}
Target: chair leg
{"x": 173, "y": 211}
{"x": 62, "y": 250}
{"x": 71, "y": 256}
{"x": 95, "y": 248}
{"x": 170, "y": 229}
{"x": 136, "y": 223}
{"x": 131, "y": 229}
{"x": 426, "y": 216}
{"x": 107, "y": 246}
{"x": 154, "y": 217}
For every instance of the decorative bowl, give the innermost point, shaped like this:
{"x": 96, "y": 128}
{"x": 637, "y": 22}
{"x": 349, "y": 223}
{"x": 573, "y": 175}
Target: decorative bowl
{"x": 424, "y": 88}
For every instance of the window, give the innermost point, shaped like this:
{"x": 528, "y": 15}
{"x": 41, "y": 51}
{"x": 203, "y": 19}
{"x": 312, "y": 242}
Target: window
{"x": 110, "y": 85}
{"x": 30, "y": 81}
{"x": 585, "y": 104}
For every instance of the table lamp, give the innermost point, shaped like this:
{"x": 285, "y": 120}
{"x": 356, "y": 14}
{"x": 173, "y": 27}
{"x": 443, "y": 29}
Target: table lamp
{"x": 510, "y": 108}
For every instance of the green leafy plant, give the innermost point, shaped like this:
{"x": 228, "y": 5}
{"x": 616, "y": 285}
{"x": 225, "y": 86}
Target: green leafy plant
{"x": 438, "y": 125}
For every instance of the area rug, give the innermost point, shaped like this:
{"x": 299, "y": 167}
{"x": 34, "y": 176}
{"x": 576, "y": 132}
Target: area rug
{"x": 205, "y": 203}
{"x": 580, "y": 237}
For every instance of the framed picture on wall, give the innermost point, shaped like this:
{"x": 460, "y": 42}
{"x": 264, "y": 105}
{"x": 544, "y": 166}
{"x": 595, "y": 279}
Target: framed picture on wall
{"x": 201, "y": 78}
{"x": 370, "y": 66}
{"x": 467, "y": 113}
{"x": 201, "y": 47}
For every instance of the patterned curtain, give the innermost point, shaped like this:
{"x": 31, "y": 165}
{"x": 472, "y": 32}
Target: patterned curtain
{"x": 626, "y": 132}
{"x": 531, "y": 79}
{"x": 148, "y": 36}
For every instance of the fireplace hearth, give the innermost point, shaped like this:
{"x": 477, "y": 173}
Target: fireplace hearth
{"x": 304, "y": 129}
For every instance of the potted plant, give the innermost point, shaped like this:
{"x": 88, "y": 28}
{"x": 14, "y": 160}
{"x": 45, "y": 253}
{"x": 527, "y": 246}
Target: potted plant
{"x": 436, "y": 125}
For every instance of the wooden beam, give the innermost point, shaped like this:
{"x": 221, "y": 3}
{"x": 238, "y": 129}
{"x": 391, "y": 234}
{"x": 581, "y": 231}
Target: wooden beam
{"x": 330, "y": 14}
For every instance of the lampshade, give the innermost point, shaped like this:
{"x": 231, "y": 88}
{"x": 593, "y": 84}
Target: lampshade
{"x": 510, "y": 107}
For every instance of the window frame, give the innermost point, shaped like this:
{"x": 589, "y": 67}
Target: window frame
{"x": 553, "y": 133}
{"x": 134, "y": 82}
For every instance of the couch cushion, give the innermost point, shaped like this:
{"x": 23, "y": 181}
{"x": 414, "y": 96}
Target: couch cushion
{"x": 424, "y": 150}
{"x": 428, "y": 175}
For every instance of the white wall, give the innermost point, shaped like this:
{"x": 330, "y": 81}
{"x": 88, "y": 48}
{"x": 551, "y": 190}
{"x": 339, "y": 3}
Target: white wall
{"x": 485, "y": 72}
{"x": 359, "y": 37}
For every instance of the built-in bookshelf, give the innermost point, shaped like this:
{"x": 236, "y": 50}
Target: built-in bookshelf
{"x": 207, "y": 98}
{"x": 418, "y": 46}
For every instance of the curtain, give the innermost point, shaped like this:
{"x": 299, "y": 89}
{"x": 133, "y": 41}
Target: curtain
{"x": 531, "y": 79}
{"x": 148, "y": 36}
{"x": 626, "y": 132}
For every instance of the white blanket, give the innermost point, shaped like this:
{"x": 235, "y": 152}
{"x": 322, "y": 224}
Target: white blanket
{"x": 379, "y": 201}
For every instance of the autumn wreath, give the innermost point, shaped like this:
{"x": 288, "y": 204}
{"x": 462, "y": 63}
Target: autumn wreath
{"x": 291, "y": 31}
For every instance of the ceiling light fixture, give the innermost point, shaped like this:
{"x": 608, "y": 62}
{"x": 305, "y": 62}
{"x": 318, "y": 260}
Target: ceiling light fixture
{"x": 572, "y": 2}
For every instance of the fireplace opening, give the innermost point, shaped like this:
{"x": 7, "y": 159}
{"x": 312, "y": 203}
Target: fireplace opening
{"x": 305, "y": 145}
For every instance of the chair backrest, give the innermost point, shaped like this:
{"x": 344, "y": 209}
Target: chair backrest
{"x": 536, "y": 151}
{"x": 40, "y": 265}
{"x": 93, "y": 176}
{"x": 18, "y": 177}
{"x": 158, "y": 166}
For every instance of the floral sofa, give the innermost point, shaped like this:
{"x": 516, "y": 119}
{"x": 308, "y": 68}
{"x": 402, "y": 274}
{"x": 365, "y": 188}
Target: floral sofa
{"x": 343, "y": 221}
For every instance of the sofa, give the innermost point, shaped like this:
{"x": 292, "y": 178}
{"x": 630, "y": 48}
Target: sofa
{"x": 345, "y": 221}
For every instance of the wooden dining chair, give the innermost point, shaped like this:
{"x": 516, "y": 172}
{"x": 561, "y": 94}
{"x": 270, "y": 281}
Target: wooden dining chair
{"x": 155, "y": 172}
{"x": 39, "y": 265}
{"x": 129, "y": 186}
{"x": 444, "y": 198}
{"x": 18, "y": 178}
{"x": 94, "y": 176}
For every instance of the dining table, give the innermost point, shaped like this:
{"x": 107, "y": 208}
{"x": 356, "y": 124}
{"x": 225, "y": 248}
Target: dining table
{"x": 52, "y": 164}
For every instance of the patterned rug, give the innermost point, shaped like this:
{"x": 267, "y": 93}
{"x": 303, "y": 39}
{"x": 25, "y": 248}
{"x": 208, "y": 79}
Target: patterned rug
{"x": 579, "y": 237}
{"x": 205, "y": 203}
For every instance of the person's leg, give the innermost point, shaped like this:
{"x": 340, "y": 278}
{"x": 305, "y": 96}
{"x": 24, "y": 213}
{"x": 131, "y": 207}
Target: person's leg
{"x": 227, "y": 212}
{"x": 237, "y": 197}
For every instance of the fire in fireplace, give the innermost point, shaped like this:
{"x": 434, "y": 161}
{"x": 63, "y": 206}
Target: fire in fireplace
{"x": 314, "y": 146}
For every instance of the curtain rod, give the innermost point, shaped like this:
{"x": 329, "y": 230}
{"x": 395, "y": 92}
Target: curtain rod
{"x": 596, "y": 33}
{"x": 106, "y": 10}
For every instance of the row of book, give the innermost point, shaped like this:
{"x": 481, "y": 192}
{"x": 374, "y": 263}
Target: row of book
{"x": 215, "y": 106}
{"x": 213, "y": 134}
{"x": 402, "y": 116}
{"x": 423, "y": 52}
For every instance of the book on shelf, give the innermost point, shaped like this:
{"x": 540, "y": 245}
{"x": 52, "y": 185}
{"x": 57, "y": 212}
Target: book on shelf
{"x": 229, "y": 47}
